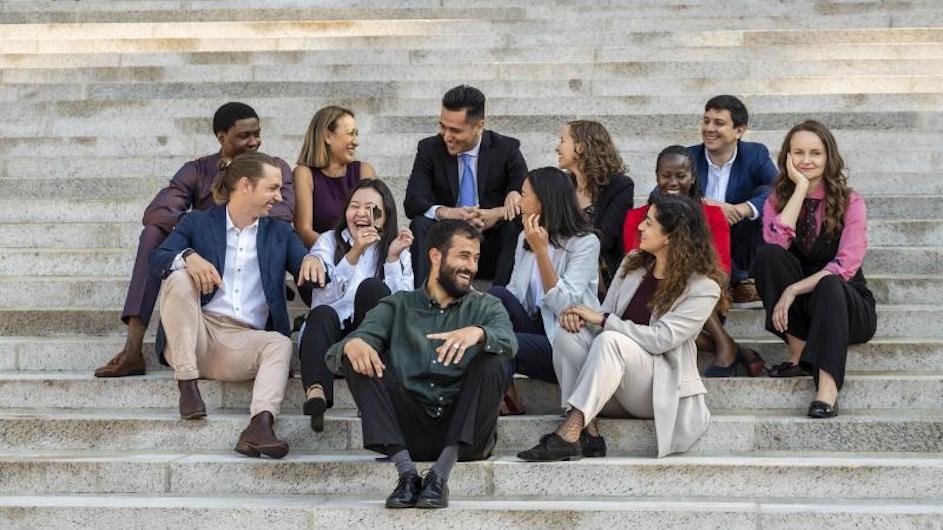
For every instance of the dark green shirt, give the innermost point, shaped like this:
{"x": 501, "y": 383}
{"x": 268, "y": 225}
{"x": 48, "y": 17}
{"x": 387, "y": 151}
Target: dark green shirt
{"x": 397, "y": 329}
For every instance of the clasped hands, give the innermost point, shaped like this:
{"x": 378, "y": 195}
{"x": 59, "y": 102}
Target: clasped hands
{"x": 576, "y": 316}
{"x": 484, "y": 218}
{"x": 365, "y": 360}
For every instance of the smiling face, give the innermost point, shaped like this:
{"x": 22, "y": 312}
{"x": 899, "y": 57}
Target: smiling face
{"x": 244, "y": 135}
{"x": 808, "y": 154}
{"x": 652, "y": 238}
{"x": 530, "y": 204}
{"x": 567, "y": 156}
{"x": 459, "y": 134}
{"x": 458, "y": 266}
{"x": 360, "y": 212}
{"x": 343, "y": 141}
{"x": 674, "y": 175}
{"x": 260, "y": 198}
{"x": 718, "y": 132}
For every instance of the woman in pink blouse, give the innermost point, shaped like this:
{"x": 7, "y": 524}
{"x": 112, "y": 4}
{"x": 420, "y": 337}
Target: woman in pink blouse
{"x": 809, "y": 275}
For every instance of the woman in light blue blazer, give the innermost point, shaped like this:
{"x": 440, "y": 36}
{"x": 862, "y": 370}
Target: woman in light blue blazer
{"x": 556, "y": 265}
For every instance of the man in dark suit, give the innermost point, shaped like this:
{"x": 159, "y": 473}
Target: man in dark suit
{"x": 736, "y": 176}
{"x": 223, "y": 306}
{"x": 469, "y": 173}
{"x": 236, "y": 127}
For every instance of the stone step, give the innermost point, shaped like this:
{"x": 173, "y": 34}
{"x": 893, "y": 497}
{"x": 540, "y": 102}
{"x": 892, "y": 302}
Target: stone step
{"x": 307, "y": 511}
{"x": 110, "y": 430}
{"x": 857, "y": 476}
{"x": 906, "y": 391}
{"x": 108, "y": 292}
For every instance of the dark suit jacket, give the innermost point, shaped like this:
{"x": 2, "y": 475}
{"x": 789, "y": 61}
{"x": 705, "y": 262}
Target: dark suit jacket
{"x": 434, "y": 178}
{"x": 751, "y": 177}
{"x": 278, "y": 247}
{"x": 191, "y": 187}
{"x": 612, "y": 204}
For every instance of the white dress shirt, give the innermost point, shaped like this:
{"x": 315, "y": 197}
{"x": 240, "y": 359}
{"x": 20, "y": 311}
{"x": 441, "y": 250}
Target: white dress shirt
{"x": 473, "y": 164}
{"x": 718, "y": 177}
{"x": 345, "y": 277}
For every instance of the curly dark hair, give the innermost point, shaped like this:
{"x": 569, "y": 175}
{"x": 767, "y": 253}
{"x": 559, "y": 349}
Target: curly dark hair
{"x": 691, "y": 252}
{"x": 837, "y": 192}
{"x": 599, "y": 158}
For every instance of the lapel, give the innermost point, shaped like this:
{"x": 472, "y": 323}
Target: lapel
{"x": 484, "y": 152}
{"x": 701, "y": 160}
{"x": 737, "y": 172}
{"x": 451, "y": 173}
{"x": 624, "y": 289}
{"x": 218, "y": 236}
{"x": 263, "y": 252}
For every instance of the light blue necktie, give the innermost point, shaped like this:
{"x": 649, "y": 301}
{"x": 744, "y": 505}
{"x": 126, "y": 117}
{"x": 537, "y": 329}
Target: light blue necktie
{"x": 466, "y": 187}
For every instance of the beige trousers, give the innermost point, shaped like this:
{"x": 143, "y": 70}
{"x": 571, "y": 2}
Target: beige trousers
{"x": 606, "y": 375}
{"x": 216, "y": 347}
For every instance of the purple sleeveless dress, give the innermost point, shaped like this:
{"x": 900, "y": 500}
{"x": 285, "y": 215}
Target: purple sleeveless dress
{"x": 329, "y": 196}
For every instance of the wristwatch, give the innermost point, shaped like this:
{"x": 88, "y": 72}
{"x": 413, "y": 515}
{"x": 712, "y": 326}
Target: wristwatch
{"x": 185, "y": 254}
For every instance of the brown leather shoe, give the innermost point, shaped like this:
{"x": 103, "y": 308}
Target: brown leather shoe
{"x": 745, "y": 295}
{"x": 191, "y": 403}
{"x": 259, "y": 438}
{"x": 121, "y": 365}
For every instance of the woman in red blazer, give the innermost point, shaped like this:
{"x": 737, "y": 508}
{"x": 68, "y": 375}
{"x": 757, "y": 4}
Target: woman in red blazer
{"x": 674, "y": 171}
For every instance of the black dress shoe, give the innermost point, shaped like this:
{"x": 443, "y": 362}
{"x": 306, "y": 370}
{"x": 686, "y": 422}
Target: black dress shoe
{"x": 406, "y": 491}
{"x": 435, "y": 491}
{"x": 592, "y": 446}
{"x": 787, "y": 369}
{"x": 551, "y": 449}
{"x": 821, "y": 409}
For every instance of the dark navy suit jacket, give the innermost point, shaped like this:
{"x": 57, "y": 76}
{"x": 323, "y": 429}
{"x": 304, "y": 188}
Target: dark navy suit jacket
{"x": 751, "y": 177}
{"x": 279, "y": 250}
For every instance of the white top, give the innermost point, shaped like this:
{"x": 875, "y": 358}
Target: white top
{"x": 718, "y": 177}
{"x": 241, "y": 297}
{"x": 345, "y": 278}
{"x": 430, "y": 213}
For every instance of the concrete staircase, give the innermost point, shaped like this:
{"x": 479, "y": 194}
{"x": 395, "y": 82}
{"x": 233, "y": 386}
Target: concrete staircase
{"x": 102, "y": 101}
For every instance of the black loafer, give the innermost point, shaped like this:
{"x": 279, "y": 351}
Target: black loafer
{"x": 406, "y": 492}
{"x": 787, "y": 369}
{"x": 821, "y": 409}
{"x": 435, "y": 492}
{"x": 551, "y": 449}
{"x": 315, "y": 408}
{"x": 592, "y": 446}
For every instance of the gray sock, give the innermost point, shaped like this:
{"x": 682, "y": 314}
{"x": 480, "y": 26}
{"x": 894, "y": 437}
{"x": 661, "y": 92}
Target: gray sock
{"x": 403, "y": 462}
{"x": 443, "y": 465}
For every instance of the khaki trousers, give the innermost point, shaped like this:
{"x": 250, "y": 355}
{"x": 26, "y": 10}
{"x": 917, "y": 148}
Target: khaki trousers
{"x": 606, "y": 375}
{"x": 216, "y": 347}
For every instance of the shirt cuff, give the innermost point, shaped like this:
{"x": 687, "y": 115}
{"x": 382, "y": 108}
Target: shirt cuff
{"x": 178, "y": 262}
{"x": 753, "y": 209}
{"x": 430, "y": 213}
{"x": 491, "y": 346}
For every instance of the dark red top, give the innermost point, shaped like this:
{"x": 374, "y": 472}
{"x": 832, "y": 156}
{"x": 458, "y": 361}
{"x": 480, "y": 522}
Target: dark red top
{"x": 716, "y": 223}
{"x": 638, "y": 311}
{"x": 329, "y": 196}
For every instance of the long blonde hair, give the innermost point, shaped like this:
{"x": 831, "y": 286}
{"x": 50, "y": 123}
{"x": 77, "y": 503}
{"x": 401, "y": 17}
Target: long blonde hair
{"x": 314, "y": 151}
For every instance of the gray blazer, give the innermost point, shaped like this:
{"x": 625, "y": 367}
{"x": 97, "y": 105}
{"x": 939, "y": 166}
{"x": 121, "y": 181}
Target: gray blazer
{"x": 681, "y": 415}
{"x": 577, "y": 266}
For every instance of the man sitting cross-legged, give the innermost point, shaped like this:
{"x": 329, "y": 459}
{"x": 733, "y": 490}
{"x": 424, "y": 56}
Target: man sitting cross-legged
{"x": 427, "y": 369}
{"x": 224, "y": 274}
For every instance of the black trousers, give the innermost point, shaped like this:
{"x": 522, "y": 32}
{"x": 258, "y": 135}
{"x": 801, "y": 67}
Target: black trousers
{"x": 323, "y": 329}
{"x": 534, "y": 352}
{"x": 834, "y": 315}
{"x": 392, "y": 420}
{"x": 497, "y": 250}
{"x": 746, "y": 237}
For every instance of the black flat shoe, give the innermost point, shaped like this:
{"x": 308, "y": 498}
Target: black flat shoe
{"x": 406, "y": 491}
{"x": 315, "y": 407}
{"x": 821, "y": 409}
{"x": 787, "y": 369}
{"x": 551, "y": 449}
{"x": 435, "y": 492}
{"x": 724, "y": 371}
{"x": 592, "y": 446}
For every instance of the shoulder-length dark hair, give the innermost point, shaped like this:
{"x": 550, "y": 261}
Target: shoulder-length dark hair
{"x": 390, "y": 227}
{"x": 837, "y": 192}
{"x": 560, "y": 213}
{"x": 691, "y": 252}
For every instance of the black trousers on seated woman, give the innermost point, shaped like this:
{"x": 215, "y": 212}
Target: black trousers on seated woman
{"x": 835, "y": 314}
{"x": 534, "y": 353}
{"x": 323, "y": 328}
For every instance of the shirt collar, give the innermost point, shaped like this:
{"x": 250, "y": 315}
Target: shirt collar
{"x": 474, "y": 150}
{"x": 432, "y": 302}
{"x": 347, "y": 237}
{"x": 727, "y": 164}
{"x": 231, "y": 226}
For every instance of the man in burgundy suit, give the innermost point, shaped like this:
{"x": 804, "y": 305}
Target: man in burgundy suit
{"x": 236, "y": 126}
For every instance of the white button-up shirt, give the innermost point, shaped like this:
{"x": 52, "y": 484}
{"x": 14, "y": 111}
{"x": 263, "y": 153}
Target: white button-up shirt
{"x": 718, "y": 177}
{"x": 345, "y": 277}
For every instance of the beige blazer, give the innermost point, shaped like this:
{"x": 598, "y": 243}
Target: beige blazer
{"x": 681, "y": 415}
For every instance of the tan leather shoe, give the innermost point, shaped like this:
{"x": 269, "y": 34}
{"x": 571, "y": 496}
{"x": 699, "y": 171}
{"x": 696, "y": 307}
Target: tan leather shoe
{"x": 191, "y": 403}
{"x": 121, "y": 365}
{"x": 259, "y": 438}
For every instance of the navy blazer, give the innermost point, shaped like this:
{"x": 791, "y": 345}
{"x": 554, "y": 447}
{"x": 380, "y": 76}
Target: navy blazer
{"x": 434, "y": 178}
{"x": 279, "y": 250}
{"x": 751, "y": 177}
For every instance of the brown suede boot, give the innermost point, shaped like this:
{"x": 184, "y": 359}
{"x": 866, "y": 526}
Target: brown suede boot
{"x": 191, "y": 403}
{"x": 259, "y": 438}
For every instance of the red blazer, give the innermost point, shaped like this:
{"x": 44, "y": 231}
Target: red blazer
{"x": 716, "y": 223}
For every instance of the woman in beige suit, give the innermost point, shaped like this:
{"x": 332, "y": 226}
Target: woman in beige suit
{"x": 637, "y": 356}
